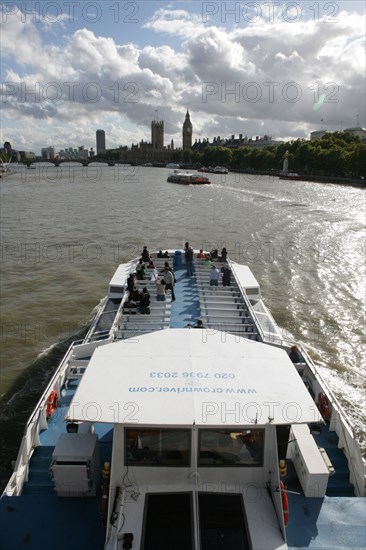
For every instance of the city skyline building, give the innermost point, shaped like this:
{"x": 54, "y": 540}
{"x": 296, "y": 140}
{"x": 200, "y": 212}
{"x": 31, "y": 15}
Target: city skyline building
{"x": 48, "y": 153}
{"x": 100, "y": 139}
{"x": 157, "y": 135}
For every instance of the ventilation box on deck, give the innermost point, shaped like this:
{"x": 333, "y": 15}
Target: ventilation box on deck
{"x": 309, "y": 464}
{"x": 76, "y": 465}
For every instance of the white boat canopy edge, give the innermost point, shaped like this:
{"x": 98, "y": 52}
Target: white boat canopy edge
{"x": 246, "y": 279}
{"x": 197, "y": 376}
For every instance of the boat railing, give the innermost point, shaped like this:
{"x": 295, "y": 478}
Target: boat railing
{"x": 94, "y": 334}
{"x": 38, "y": 419}
{"x": 36, "y": 422}
{"x": 114, "y": 328}
{"x": 100, "y": 307}
{"x": 118, "y": 521}
{"x": 341, "y": 424}
{"x": 248, "y": 304}
{"x": 100, "y": 334}
{"x": 30, "y": 440}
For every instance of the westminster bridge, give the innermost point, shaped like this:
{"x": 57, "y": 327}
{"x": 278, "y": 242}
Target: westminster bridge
{"x": 83, "y": 162}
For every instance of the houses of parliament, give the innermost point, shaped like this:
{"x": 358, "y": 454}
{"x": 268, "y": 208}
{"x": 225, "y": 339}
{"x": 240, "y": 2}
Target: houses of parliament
{"x": 156, "y": 151}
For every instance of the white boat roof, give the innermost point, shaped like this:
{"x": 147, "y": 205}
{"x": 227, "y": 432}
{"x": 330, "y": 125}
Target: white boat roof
{"x": 120, "y": 276}
{"x": 178, "y": 377}
{"x": 245, "y": 277}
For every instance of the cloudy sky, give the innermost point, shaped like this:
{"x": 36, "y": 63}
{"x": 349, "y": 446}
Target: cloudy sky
{"x": 255, "y": 68}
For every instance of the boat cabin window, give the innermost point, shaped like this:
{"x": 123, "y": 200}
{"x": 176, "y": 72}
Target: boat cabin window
{"x": 168, "y": 522}
{"x": 149, "y": 447}
{"x": 229, "y": 448}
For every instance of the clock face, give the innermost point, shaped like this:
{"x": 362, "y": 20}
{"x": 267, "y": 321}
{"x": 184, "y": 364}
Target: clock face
{"x": 189, "y": 130}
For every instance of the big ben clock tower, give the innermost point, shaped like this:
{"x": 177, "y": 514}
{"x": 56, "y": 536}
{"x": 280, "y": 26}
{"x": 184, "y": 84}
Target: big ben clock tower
{"x": 187, "y": 132}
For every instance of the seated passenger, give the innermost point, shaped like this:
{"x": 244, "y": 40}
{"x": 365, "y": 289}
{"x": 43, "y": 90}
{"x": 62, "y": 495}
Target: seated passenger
{"x": 160, "y": 254}
{"x": 166, "y": 254}
{"x": 223, "y": 255}
{"x": 145, "y": 301}
{"x": 141, "y": 270}
{"x": 135, "y": 295}
{"x": 130, "y": 302}
{"x": 201, "y": 255}
{"x": 145, "y": 255}
{"x": 295, "y": 355}
{"x": 131, "y": 282}
{"x": 154, "y": 274}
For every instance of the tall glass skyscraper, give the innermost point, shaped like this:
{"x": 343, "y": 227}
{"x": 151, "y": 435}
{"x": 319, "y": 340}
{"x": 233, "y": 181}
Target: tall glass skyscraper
{"x": 100, "y": 134}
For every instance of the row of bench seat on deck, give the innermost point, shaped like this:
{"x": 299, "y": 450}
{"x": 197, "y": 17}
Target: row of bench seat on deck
{"x": 133, "y": 323}
{"x": 222, "y": 307}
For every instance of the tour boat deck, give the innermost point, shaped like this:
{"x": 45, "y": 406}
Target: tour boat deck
{"x": 39, "y": 518}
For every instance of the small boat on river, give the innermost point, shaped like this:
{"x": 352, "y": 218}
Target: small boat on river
{"x": 187, "y": 178}
{"x": 195, "y": 425}
{"x": 289, "y": 176}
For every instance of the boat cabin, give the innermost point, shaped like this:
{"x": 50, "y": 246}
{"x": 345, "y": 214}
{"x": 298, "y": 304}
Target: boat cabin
{"x": 200, "y": 420}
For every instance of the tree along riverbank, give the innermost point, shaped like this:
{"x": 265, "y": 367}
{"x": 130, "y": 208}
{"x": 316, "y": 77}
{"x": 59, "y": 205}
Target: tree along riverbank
{"x": 336, "y": 155}
{"x": 359, "y": 182}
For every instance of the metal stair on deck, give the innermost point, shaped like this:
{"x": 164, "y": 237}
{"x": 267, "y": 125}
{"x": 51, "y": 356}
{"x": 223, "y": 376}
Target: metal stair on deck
{"x": 39, "y": 478}
{"x": 222, "y": 307}
{"x": 338, "y": 484}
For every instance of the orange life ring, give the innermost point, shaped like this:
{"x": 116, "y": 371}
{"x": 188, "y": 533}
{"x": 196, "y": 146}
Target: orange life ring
{"x": 52, "y": 403}
{"x": 324, "y": 406}
{"x": 284, "y": 503}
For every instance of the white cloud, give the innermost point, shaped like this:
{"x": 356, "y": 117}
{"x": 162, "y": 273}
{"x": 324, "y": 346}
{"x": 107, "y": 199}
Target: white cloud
{"x": 268, "y": 74}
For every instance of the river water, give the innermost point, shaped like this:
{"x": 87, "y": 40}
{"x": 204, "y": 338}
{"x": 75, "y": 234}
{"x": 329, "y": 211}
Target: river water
{"x": 64, "y": 231}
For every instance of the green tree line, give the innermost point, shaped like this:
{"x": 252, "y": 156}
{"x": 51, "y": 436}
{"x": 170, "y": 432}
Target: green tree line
{"x": 335, "y": 154}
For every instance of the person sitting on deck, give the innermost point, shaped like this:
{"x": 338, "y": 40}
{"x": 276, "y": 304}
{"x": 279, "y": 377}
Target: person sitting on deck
{"x": 201, "y": 255}
{"x": 145, "y": 301}
{"x": 154, "y": 274}
{"x": 131, "y": 282}
{"x": 135, "y": 295}
{"x": 295, "y": 355}
{"x": 151, "y": 265}
{"x": 160, "y": 254}
{"x": 141, "y": 270}
{"x": 130, "y": 303}
{"x": 145, "y": 255}
{"x": 166, "y": 254}
{"x": 223, "y": 255}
